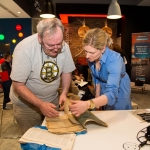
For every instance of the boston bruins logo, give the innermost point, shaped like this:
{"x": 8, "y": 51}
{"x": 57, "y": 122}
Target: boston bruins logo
{"x": 49, "y": 71}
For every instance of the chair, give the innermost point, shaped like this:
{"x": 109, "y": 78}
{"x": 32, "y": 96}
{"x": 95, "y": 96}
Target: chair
{"x": 134, "y": 105}
{"x": 134, "y": 87}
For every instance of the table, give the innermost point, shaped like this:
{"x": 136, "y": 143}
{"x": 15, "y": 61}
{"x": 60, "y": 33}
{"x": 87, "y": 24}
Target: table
{"x": 122, "y": 128}
{"x": 142, "y": 88}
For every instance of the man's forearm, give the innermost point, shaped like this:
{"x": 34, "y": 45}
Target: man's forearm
{"x": 66, "y": 81}
{"x": 26, "y": 94}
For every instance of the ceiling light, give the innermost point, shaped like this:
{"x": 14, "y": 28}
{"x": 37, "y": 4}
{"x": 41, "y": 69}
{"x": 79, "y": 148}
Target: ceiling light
{"x": 114, "y": 11}
{"x": 47, "y": 10}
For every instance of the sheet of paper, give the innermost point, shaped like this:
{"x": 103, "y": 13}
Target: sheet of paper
{"x": 40, "y": 136}
{"x": 63, "y": 124}
{"x": 66, "y": 110}
{"x": 82, "y": 83}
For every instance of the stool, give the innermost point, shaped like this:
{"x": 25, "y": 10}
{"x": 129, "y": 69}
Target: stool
{"x": 134, "y": 105}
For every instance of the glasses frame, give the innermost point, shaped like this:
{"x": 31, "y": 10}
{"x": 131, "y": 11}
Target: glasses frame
{"x": 52, "y": 47}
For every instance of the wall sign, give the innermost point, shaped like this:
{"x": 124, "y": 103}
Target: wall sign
{"x": 140, "y": 57}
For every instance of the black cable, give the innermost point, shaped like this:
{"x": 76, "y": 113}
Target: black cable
{"x": 146, "y": 136}
{"x": 130, "y": 145}
{"x": 144, "y": 139}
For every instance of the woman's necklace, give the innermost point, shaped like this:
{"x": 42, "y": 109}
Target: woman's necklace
{"x": 97, "y": 65}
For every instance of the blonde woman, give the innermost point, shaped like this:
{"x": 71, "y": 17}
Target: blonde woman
{"x": 112, "y": 83}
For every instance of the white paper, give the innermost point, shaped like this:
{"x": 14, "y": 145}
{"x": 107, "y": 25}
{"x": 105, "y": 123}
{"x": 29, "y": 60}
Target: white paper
{"x": 41, "y": 136}
{"x": 125, "y": 60}
{"x": 82, "y": 83}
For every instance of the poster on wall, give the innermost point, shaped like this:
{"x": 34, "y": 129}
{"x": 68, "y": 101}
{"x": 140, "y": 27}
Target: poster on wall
{"x": 140, "y": 57}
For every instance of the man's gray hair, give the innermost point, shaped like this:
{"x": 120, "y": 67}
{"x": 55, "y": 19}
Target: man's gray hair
{"x": 50, "y": 25}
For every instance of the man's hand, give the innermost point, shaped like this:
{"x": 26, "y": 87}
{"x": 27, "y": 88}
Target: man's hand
{"x": 62, "y": 99}
{"x": 48, "y": 109}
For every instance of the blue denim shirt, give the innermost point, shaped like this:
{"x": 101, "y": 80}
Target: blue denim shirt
{"x": 113, "y": 79}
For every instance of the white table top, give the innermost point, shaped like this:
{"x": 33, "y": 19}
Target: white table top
{"x": 122, "y": 128}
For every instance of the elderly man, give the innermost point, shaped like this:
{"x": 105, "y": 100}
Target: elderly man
{"x": 39, "y": 61}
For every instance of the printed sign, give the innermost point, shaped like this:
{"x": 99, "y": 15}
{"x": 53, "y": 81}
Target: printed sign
{"x": 140, "y": 57}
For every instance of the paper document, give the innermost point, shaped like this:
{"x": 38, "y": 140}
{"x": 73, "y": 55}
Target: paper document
{"x": 82, "y": 83}
{"x": 69, "y": 116}
{"x": 41, "y": 136}
{"x": 68, "y": 123}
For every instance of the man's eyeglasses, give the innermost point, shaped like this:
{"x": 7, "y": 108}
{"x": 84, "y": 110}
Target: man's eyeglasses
{"x": 56, "y": 46}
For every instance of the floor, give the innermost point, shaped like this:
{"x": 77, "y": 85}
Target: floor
{"x": 10, "y": 132}
{"x": 141, "y": 98}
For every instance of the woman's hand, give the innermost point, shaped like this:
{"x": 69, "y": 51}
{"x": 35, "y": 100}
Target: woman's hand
{"x": 78, "y": 107}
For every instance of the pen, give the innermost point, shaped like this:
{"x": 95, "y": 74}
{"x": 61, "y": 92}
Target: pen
{"x": 60, "y": 105}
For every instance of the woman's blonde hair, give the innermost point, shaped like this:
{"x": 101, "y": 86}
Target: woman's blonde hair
{"x": 97, "y": 38}
{"x": 50, "y": 25}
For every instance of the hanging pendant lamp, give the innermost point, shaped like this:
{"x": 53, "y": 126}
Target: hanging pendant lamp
{"x": 107, "y": 29}
{"x": 114, "y": 11}
{"x": 47, "y": 10}
{"x": 83, "y": 29}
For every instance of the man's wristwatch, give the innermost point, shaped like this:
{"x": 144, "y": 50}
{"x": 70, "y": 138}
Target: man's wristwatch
{"x": 92, "y": 105}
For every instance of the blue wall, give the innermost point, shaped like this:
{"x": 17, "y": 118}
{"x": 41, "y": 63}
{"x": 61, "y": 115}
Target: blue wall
{"x": 8, "y": 28}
